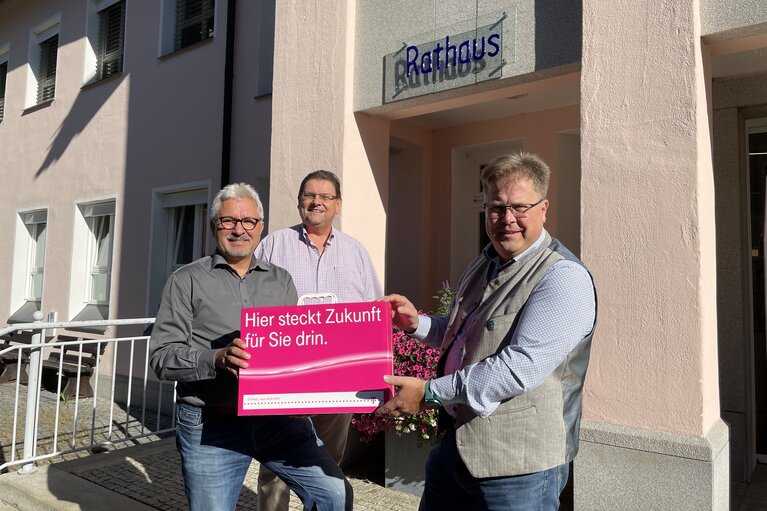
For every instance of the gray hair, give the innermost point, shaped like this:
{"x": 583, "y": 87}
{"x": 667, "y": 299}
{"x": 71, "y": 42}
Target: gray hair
{"x": 235, "y": 191}
{"x": 516, "y": 165}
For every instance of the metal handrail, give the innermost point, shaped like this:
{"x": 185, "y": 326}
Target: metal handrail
{"x": 67, "y": 325}
{"x": 34, "y": 385}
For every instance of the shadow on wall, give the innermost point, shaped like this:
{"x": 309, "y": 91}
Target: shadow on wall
{"x": 558, "y": 32}
{"x": 84, "y": 109}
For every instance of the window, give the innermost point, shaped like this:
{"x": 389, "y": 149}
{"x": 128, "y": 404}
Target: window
{"x": 92, "y": 261}
{"x": 105, "y": 28}
{"x": 27, "y": 288}
{"x": 186, "y": 22}
{"x": 36, "y": 257}
{"x": 46, "y": 81}
{"x": 179, "y": 234}
{"x": 187, "y": 230}
{"x": 100, "y": 220}
{"x": 194, "y": 21}
{"x": 3, "y": 76}
{"x": 111, "y": 35}
{"x": 42, "y": 58}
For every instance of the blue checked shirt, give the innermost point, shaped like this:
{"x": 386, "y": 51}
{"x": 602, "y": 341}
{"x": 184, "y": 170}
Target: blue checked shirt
{"x": 344, "y": 267}
{"x": 559, "y": 313}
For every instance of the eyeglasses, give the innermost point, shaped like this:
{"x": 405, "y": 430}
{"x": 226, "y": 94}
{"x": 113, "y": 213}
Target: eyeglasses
{"x": 228, "y": 222}
{"x": 496, "y": 211}
{"x": 324, "y": 197}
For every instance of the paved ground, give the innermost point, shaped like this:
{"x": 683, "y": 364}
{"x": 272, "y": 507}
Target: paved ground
{"x": 142, "y": 474}
{"x": 145, "y": 474}
{"x": 146, "y": 477}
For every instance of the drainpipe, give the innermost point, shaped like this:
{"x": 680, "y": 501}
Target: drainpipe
{"x": 226, "y": 130}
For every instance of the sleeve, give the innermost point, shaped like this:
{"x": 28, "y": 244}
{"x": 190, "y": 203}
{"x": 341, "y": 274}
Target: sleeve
{"x": 291, "y": 294}
{"x": 431, "y": 330}
{"x": 170, "y": 352}
{"x": 560, "y": 312}
{"x": 264, "y": 248}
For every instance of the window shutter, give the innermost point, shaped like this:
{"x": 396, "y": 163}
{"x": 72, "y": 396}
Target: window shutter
{"x": 46, "y": 83}
{"x": 111, "y": 38}
{"x": 3, "y": 74}
{"x": 194, "y": 21}
{"x": 98, "y": 209}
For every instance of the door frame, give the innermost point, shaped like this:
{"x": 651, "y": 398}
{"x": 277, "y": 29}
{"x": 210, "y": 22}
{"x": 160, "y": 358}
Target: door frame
{"x": 753, "y": 126}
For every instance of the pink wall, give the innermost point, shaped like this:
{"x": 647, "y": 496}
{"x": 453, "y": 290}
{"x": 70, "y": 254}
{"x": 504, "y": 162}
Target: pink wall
{"x": 646, "y": 160}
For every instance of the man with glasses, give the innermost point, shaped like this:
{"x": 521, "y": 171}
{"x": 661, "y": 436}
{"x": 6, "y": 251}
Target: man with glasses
{"x": 195, "y": 341}
{"x": 515, "y": 347}
{"x": 321, "y": 259}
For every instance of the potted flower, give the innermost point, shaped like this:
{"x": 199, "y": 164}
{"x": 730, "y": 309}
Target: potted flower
{"x": 411, "y": 358}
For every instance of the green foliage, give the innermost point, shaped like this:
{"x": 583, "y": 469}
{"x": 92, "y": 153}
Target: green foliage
{"x": 445, "y": 298}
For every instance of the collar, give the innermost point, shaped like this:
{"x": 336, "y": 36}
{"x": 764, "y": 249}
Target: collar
{"x": 217, "y": 260}
{"x": 491, "y": 254}
{"x": 305, "y": 235}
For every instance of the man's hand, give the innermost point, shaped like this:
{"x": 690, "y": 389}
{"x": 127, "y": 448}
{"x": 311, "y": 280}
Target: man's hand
{"x": 233, "y": 356}
{"x": 409, "y": 399}
{"x": 404, "y": 313}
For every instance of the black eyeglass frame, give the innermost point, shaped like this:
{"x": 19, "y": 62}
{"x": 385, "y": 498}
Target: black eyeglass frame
{"x": 496, "y": 211}
{"x": 224, "y": 220}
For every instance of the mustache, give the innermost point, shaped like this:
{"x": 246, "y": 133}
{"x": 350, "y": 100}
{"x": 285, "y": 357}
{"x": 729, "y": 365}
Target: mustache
{"x": 236, "y": 237}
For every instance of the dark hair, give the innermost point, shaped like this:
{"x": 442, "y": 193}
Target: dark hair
{"x": 324, "y": 175}
{"x": 515, "y": 165}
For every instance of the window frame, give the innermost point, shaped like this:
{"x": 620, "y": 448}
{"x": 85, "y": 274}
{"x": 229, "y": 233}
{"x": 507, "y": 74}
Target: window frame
{"x": 97, "y": 37}
{"x": 92, "y": 267}
{"x": 173, "y": 23}
{"x": 82, "y": 306}
{"x": 162, "y": 236}
{"x": 39, "y": 35}
{"x": 205, "y": 20}
{"x": 4, "y": 58}
{"x": 33, "y": 268}
{"x": 199, "y": 234}
{"x": 23, "y": 300}
{"x": 46, "y": 71}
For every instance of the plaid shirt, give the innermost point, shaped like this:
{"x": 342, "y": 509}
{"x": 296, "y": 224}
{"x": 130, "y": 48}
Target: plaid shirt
{"x": 344, "y": 267}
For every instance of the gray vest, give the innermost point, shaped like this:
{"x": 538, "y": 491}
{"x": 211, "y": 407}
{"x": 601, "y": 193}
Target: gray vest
{"x": 537, "y": 430}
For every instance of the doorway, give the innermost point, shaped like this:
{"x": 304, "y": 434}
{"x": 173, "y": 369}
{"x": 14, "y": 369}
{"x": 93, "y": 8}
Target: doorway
{"x": 467, "y": 225}
{"x": 756, "y": 144}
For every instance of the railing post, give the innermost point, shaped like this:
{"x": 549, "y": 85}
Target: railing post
{"x": 33, "y": 395}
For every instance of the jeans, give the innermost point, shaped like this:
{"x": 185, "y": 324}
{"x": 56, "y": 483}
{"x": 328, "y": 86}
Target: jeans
{"x": 449, "y": 485}
{"x": 333, "y": 430}
{"x": 216, "y": 451}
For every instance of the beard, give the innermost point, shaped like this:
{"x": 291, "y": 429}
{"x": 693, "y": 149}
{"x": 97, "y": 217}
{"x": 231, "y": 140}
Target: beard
{"x": 236, "y": 251}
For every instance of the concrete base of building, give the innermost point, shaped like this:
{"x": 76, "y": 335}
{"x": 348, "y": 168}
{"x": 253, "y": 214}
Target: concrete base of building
{"x": 621, "y": 468}
{"x": 740, "y": 466}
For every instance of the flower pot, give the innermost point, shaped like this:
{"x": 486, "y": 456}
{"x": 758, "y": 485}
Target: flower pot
{"x": 405, "y": 461}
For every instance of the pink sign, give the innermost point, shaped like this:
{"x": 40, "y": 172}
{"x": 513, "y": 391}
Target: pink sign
{"x": 314, "y": 359}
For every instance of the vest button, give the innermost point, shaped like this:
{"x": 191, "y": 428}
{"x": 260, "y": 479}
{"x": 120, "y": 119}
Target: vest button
{"x": 491, "y": 324}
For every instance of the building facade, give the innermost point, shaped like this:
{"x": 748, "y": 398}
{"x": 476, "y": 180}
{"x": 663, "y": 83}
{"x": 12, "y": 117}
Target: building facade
{"x": 120, "y": 119}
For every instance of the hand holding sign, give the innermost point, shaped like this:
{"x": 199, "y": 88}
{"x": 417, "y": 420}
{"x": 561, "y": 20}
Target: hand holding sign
{"x": 232, "y": 357}
{"x": 409, "y": 398}
{"x": 404, "y": 313}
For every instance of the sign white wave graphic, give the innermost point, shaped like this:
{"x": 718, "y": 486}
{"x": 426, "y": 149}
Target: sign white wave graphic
{"x": 319, "y": 365}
